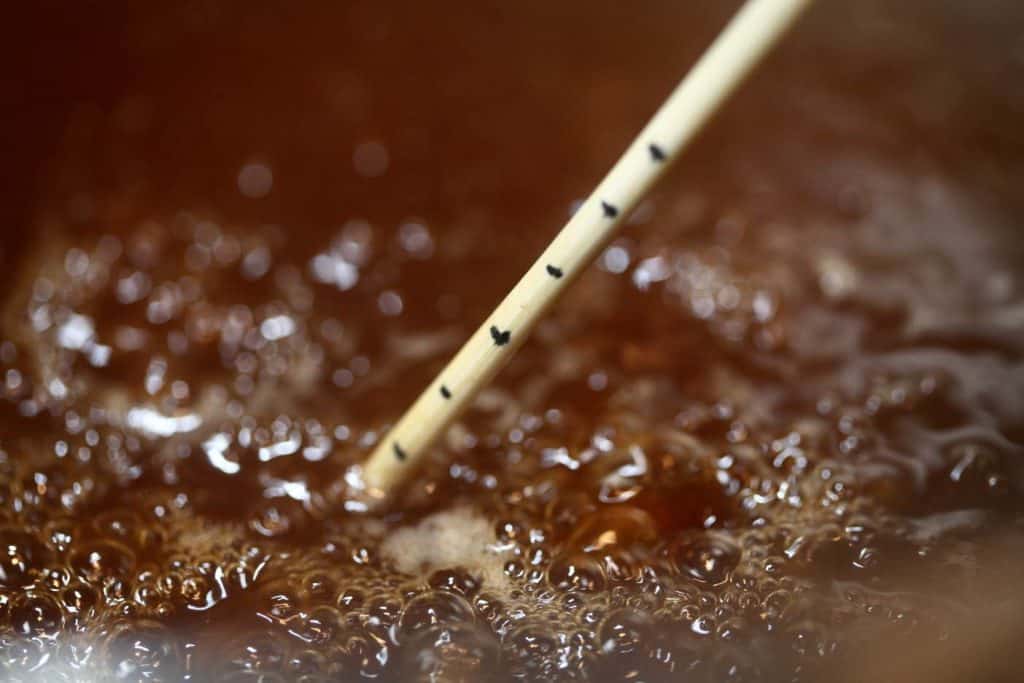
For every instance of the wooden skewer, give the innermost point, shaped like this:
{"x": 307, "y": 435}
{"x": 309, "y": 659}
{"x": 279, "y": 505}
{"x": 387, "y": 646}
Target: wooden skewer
{"x": 746, "y": 39}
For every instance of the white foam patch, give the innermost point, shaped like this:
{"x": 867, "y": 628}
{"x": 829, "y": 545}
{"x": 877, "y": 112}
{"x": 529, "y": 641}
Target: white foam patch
{"x": 454, "y": 538}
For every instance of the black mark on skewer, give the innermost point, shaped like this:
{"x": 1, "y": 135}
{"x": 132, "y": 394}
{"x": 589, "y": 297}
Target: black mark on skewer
{"x": 500, "y": 338}
{"x": 554, "y": 272}
{"x": 399, "y": 453}
{"x": 657, "y": 153}
{"x": 445, "y": 392}
{"x": 610, "y": 211}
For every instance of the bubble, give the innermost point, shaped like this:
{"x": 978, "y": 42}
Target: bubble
{"x": 704, "y": 558}
{"x": 283, "y": 604}
{"x": 255, "y": 180}
{"x": 79, "y": 600}
{"x": 261, "y": 652}
{"x": 36, "y": 614}
{"x": 416, "y": 240}
{"x": 363, "y": 555}
{"x": 533, "y": 648}
{"x": 626, "y": 631}
{"x": 237, "y": 576}
{"x": 632, "y": 647}
{"x": 350, "y": 599}
{"x": 363, "y": 654}
{"x": 733, "y": 629}
{"x": 26, "y": 655}
{"x": 703, "y": 625}
{"x": 390, "y": 303}
{"x": 615, "y": 259}
{"x": 273, "y": 520}
{"x": 56, "y": 578}
{"x": 488, "y": 607}
{"x": 319, "y": 626}
{"x": 432, "y": 608}
{"x": 144, "y": 650}
{"x": 198, "y": 591}
{"x": 115, "y": 592}
{"x": 20, "y": 554}
{"x": 451, "y": 652}
{"x": 146, "y": 595}
{"x": 776, "y": 602}
{"x": 319, "y": 586}
{"x": 514, "y": 569}
{"x": 102, "y": 559}
{"x": 577, "y": 572}
{"x": 457, "y": 580}
{"x": 306, "y": 666}
{"x": 622, "y": 526}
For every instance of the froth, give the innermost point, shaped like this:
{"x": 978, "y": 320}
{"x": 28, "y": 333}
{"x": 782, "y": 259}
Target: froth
{"x": 461, "y": 537}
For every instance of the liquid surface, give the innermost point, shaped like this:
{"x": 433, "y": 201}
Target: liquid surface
{"x": 775, "y": 433}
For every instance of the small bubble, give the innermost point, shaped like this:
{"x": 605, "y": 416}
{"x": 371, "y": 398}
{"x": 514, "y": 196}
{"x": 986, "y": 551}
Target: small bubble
{"x": 390, "y": 303}
{"x": 370, "y": 159}
{"x": 433, "y": 608}
{"x": 705, "y": 558}
{"x": 13, "y": 380}
{"x": 615, "y": 260}
{"x": 34, "y": 614}
{"x": 415, "y": 239}
{"x": 579, "y": 572}
{"x": 255, "y": 180}
{"x": 343, "y": 378}
{"x": 626, "y": 631}
{"x": 461, "y": 653}
{"x": 20, "y": 553}
{"x": 256, "y": 263}
{"x": 76, "y": 263}
{"x": 144, "y": 650}
{"x": 102, "y": 559}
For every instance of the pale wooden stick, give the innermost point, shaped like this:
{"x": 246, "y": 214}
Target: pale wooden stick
{"x": 736, "y": 50}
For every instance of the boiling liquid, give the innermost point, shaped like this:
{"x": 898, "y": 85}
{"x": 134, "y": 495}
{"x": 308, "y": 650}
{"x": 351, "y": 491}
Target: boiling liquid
{"x": 777, "y": 424}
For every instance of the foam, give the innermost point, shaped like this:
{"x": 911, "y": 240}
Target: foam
{"x": 461, "y": 537}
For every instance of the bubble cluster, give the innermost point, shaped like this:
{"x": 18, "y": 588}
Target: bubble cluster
{"x": 179, "y": 509}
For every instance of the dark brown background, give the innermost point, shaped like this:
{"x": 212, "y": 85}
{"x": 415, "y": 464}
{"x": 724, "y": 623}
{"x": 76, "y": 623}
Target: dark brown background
{"x": 166, "y": 101}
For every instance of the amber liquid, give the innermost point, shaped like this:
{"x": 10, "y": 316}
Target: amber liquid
{"x": 773, "y": 434}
